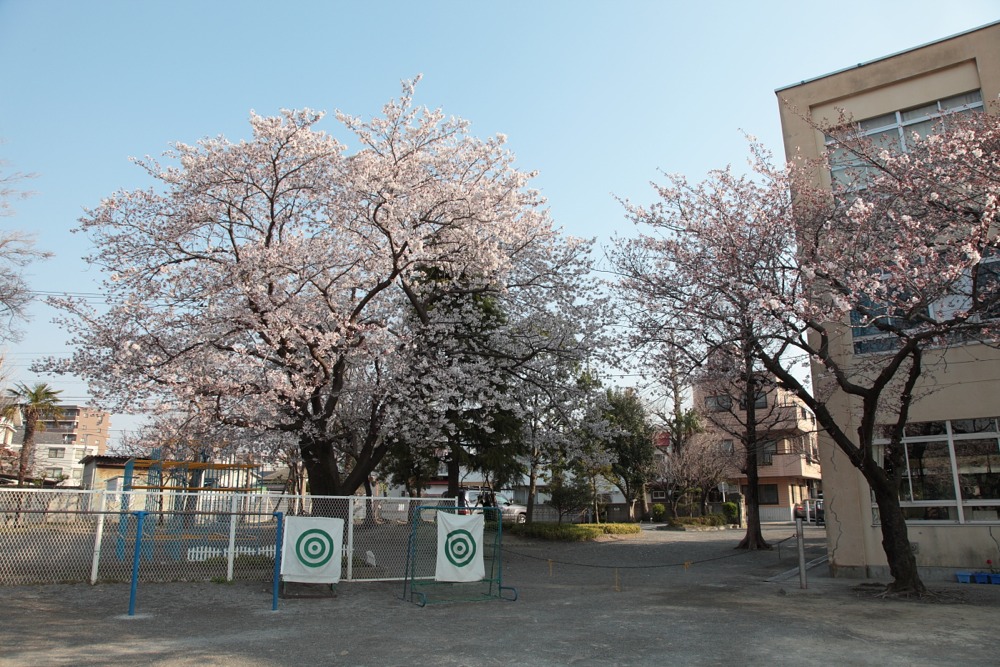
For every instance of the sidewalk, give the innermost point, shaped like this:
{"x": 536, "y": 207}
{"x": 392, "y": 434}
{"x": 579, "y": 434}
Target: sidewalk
{"x": 621, "y": 602}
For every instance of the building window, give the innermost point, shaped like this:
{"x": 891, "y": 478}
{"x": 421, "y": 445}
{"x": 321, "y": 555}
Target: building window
{"x": 727, "y": 446}
{"x": 893, "y": 131}
{"x": 658, "y": 494}
{"x": 767, "y": 494}
{"x": 951, "y": 471}
{"x": 720, "y": 403}
{"x": 53, "y": 473}
{"x": 57, "y": 452}
{"x": 759, "y": 402}
{"x": 767, "y": 448}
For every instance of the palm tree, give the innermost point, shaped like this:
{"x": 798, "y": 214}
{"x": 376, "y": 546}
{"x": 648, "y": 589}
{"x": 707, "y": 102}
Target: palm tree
{"x": 34, "y": 403}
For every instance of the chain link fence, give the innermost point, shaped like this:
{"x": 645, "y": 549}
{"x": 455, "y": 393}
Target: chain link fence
{"x": 70, "y": 536}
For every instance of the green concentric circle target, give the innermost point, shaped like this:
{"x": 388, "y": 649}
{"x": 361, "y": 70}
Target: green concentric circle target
{"x": 314, "y": 548}
{"x": 460, "y": 547}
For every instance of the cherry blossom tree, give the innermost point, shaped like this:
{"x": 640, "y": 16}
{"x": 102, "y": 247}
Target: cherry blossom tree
{"x": 17, "y": 251}
{"x": 690, "y": 287}
{"x": 906, "y": 249}
{"x": 282, "y": 284}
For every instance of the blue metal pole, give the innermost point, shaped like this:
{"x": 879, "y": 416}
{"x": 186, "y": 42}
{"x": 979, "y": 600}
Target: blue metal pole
{"x": 140, "y": 518}
{"x": 277, "y": 560}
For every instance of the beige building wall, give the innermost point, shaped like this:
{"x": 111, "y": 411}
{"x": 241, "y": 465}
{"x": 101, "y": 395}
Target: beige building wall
{"x": 965, "y": 382}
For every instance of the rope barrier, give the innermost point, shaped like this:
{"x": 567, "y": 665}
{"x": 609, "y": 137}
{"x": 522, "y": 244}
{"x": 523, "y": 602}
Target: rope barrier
{"x": 685, "y": 564}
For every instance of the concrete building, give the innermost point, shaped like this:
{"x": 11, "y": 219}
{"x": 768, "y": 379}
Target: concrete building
{"x": 62, "y": 444}
{"x": 951, "y": 493}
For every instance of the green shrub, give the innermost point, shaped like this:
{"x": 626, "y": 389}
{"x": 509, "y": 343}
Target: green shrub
{"x": 620, "y": 528}
{"x": 659, "y": 511}
{"x": 707, "y": 520}
{"x": 732, "y": 512}
{"x": 559, "y": 532}
{"x": 572, "y": 532}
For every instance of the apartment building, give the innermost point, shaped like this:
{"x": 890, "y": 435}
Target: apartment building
{"x": 788, "y": 464}
{"x": 62, "y": 443}
{"x": 951, "y": 487}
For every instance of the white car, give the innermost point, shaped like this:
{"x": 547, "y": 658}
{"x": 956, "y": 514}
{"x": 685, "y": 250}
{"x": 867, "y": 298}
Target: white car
{"x": 469, "y": 499}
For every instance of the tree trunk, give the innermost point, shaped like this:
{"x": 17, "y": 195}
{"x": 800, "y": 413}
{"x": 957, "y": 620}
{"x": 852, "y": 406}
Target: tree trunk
{"x": 27, "y": 445}
{"x": 532, "y": 492}
{"x": 454, "y": 473}
{"x": 325, "y": 479}
{"x": 704, "y": 502}
{"x": 754, "y": 538}
{"x": 371, "y": 509}
{"x": 895, "y": 539}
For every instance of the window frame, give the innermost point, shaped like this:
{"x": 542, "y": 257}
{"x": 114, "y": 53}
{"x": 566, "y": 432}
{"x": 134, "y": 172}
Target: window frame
{"x": 960, "y": 508}
{"x": 719, "y": 403}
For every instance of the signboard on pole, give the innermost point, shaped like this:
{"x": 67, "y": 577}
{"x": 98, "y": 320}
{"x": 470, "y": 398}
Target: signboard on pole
{"x": 311, "y": 550}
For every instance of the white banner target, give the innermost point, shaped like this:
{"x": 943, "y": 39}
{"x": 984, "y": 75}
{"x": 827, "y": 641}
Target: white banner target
{"x": 311, "y": 550}
{"x": 460, "y": 548}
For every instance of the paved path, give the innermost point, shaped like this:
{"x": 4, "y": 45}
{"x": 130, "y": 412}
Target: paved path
{"x": 622, "y": 602}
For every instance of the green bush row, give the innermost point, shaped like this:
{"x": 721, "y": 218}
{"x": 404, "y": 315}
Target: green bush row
{"x": 572, "y": 532}
{"x": 707, "y": 520}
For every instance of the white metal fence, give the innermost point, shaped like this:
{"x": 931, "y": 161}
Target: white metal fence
{"x": 49, "y": 536}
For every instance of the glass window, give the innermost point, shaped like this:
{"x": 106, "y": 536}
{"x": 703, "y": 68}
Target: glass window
{"x": 719, "y": 403}
{"x": 768, "y": 494}
{"x": 767, "y": 448}
{"x": 870, "y": 124}
{"x": 925, "y": 428}
{"x": 56, "y": 452}
{"x": 925, "y": 111}
{"x": 887, "y": 139}
{"x": 974, "y": 98}
{"x": 922, "y": 129}
{"x": 760, "y": 402}
{"x": 53, "y": 473}
{"x": 982, "y": 513}
{"x": 939, "y": 453}
{"x": 987, "y": 425}
{"x": 929, "y": 471}
{"x": 978, "y": 468}
{"x": 931, "y": 513}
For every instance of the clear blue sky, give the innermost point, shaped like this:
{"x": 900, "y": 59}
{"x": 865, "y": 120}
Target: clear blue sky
{"x": 596, "y": 96}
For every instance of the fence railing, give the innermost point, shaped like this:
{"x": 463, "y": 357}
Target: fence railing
{"x": 49, "y": 536}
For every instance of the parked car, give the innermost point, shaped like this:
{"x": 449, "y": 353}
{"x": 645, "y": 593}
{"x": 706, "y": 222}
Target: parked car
{"x": 810, "y": 510}
{"x": 818, "y": 515}
{"x": 512, "y": 511}
{"x": 470, "y": 499}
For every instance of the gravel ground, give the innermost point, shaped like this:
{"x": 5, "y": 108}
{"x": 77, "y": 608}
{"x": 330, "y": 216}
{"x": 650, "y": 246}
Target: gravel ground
{"x": 664, "y": 597}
